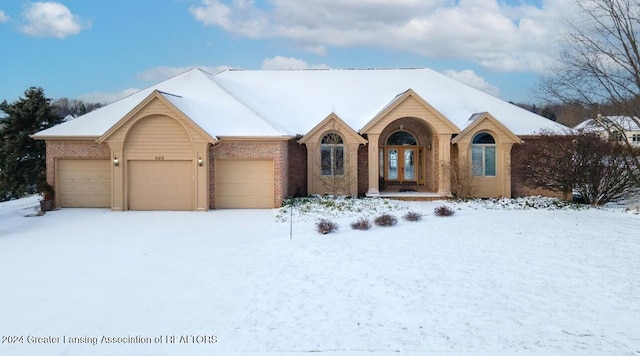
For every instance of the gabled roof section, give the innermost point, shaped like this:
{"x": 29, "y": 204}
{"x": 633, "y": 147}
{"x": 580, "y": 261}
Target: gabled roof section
{"x": 163, "y": 98}
{"x": 401, "y": 98}
{"x": 193, "y": 92}
{"x": 335, "y": 123}
{"x": 478, "y": 119}
{"x": 294, "y": 99}
{"x": 285, "y": 103}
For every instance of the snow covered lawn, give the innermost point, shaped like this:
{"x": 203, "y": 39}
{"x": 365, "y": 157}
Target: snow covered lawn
{"x": 490, "y": 281}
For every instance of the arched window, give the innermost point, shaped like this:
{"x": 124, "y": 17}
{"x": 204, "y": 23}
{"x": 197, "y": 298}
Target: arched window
{"x": 332, "y": 155}
{"x": 483, "y": 155}
{"x": 401, "y": 138}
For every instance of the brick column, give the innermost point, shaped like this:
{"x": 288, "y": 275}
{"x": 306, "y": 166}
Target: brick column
{"x": 506, "y": 183}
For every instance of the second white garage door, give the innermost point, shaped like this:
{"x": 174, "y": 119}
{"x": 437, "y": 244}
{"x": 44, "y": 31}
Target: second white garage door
{"x": 161, "y": 185}
{"x": 244, "y": 184}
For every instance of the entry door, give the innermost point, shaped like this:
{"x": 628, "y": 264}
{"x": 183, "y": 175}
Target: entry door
{"x": 402, "y": 164}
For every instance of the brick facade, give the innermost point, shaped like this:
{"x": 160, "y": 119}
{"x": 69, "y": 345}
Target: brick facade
{"x": 297, "y": 168}
{"x": 276, "y": 150}
{"x": 414, "y": 126}
{"x": 363, "y": 170}
{"x": 73, "y": 149}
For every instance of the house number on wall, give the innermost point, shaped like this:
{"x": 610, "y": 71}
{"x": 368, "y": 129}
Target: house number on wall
{"x": 159, "y": 158}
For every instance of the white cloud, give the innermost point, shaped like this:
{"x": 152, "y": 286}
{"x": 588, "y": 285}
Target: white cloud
{"x": 471, "y": 79}
{"x": 279, "y": 62}
{"x": 107, "y": 98}
{"x": 243, "y": 18}
{"x": 160, "y": 73}
{"x": 4, "y": 17}
{"x": 51, "y": 19}
{"x": 493, "y": 33}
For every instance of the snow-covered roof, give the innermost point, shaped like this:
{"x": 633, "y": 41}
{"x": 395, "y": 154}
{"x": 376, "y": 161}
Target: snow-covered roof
{"x": 265, "y": 103}
{"x": 625, "y": 122}
{"x": 194, "y": 92}
{"x": 296, "y": 100}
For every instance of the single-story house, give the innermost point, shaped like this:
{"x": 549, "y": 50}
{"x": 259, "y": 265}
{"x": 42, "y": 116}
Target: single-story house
{"x": 622, "y": 128}
{"x": 250, "y": 138}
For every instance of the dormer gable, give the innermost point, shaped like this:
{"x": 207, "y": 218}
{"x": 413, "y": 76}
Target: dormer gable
{"x": 155, "y": 104}
{"x": 332, "y": 123}
{"x": 486, "y": 122}
{"x": 410, "y": 104}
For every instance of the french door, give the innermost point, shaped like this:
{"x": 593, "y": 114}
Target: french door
{"x": 404, "y": 164}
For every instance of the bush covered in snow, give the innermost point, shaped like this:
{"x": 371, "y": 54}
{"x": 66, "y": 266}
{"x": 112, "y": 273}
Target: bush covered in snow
{"x": 325, "y": 226}
{"x": 385, "y": 220}
{"x": 361, "y": 224}
{"x": 443, "y": 210}
{"x": 412, "y": 216}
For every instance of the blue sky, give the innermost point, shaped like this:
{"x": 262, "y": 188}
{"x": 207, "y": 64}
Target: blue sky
{"x": 102, "y": 50}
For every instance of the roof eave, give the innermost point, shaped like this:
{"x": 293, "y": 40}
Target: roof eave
{"x": 255, "y": 138}
{"x": 65, "y": 138}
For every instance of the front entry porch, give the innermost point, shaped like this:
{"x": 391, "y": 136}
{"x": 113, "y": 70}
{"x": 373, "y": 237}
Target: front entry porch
{"x": 412, "y": 195}
{"x": 411, "y": 161}
{"x": 409, "y": 142}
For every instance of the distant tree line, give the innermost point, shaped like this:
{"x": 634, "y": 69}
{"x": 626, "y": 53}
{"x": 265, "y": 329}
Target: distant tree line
{"x": 74, "y": 107}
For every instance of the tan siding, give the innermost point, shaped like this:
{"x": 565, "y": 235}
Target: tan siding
{"x": 160, "y": 166}
{"x": 84, "y": 183}
{"x": 411, "y": 107}
{"x": 500, "y": 185}
{"x": 343, "y": 185}
{"x": 153, "y": 108}
{"x": 156, "y": 108}
{"x": 158, "y": 134}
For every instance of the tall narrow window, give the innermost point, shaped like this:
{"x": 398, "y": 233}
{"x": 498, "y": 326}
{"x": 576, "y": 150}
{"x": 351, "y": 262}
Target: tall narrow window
{"x": 332, "y": 155}
{"x": 483, "y": 155}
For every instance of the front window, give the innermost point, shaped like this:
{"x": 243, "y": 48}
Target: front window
{"x": 619, "y": 136}
{"x": 401, "y": 138}
{"x": 332, "y": 155}
{"x": 483, "y": 155}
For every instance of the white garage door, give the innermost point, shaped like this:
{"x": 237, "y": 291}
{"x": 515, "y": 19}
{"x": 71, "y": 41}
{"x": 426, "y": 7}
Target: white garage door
{"x": 83, "y": 183}
{"x": 244, "y": 184}
{"x": 160, "y": 185}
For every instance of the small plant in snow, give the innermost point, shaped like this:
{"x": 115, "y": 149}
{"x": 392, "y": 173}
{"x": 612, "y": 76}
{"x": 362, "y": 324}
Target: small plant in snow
{"x": 361, "y": 224}
{"x": 412, "y": 216}
{"x": 443, "y": 210}
{"x": 385, "y": 220}
{"x": 325, "y": 226}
